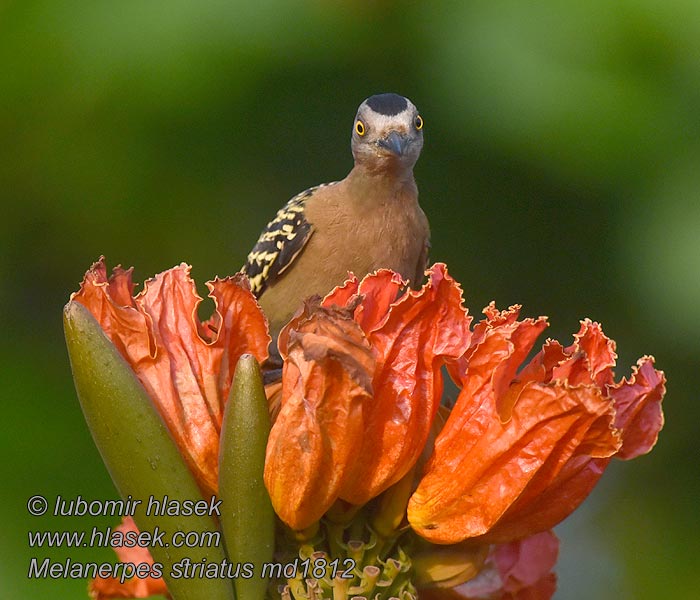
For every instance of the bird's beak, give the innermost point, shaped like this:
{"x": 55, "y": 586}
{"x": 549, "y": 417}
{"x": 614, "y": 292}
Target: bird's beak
{"x": 395, "y": 143}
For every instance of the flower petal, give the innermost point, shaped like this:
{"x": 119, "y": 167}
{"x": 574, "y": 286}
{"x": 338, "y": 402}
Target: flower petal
{"x": 341, "y": 295}
{"x": 378, "y": 291}
{"x": 327, "y": 383}
{"x": 186, "y": 366}
{"x": 522, "y": 336}
{"x": 524, "y": 563}
{"x": 638, "y": 420}
{"x": 590, "y": 359}
{"x": 111, "y": 303}
{"x": 638, "y": 408}
{"x": 411, "y": 338}
{"x": 553, "y": 503}
{"x": 599, "y": 351}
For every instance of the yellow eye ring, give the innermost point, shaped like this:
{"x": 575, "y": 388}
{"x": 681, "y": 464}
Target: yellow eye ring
{"x": 360, "y": 127}
{"x": 418, "y": 123}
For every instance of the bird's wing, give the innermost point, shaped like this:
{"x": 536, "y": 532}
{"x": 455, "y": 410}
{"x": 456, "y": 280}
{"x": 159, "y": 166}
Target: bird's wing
{"x": 279, "y": 244}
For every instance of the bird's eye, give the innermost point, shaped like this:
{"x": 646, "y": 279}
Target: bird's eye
{"x": 418, "y": 123}
{"x": 360, "y": 127}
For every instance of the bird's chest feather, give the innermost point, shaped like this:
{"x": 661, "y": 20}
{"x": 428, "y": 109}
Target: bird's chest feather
{"x": 382, "y": 237}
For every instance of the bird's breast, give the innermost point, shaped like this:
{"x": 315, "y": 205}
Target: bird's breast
{"x": 388, "y": 234}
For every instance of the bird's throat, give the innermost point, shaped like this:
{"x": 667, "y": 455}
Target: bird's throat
{"x": 383, "y": 185}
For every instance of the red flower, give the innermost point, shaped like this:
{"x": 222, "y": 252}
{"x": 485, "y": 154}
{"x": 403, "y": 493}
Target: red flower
{"x": 520, "y": 451}
{"x": 361, "y": 385}
{"x": 185, "y": 365}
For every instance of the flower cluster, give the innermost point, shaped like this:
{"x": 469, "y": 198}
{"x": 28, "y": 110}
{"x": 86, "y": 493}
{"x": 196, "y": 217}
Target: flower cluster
{"x": 462, "y": 498}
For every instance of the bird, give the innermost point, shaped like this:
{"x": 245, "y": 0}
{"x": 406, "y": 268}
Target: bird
{"x": 369, "y": 220}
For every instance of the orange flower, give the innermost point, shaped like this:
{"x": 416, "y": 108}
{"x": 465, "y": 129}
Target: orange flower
{"x": 520, "y": 451}
{"x": 136, "y": 586}
{"x": 185, "y": 365}
{"x": 361, "y": 385}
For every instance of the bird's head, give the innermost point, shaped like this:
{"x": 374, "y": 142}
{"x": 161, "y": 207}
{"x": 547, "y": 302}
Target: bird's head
{"x": 387, "y": 133}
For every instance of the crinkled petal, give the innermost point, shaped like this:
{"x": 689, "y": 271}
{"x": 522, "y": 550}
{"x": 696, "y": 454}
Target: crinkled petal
{"x": 327, "y": 385}
{"x": 638, "y": 408}
{"x": 599, "y": 349}
{"x": 378, "y": 292}
{"x": 343, "y": 294}
{"x": 495, "y": 318}
{"x": 590, "y": 359}
{"x": 542, "y": 365}
{"x": 236, "y": 327}
{"x": 481, "y": 465}
{"x": 110, "y": 301}
{"x": 411, "y": 338}
{"x": 111, "y": 587}
{"x": 186, "y": 366}
{"x": 522, "y": 335}
{"x": 505, "y": 388}
{"x": 500, "y": 481}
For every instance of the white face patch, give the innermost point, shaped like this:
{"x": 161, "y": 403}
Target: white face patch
{"x": 382, "y": 124}
{"x": 378, "y": 124}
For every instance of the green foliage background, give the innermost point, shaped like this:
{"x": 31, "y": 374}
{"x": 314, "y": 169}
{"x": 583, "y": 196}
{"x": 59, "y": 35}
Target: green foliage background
{"x": 561, "y": 171}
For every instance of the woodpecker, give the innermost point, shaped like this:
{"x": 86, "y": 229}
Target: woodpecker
{"x": 367, "y": 221}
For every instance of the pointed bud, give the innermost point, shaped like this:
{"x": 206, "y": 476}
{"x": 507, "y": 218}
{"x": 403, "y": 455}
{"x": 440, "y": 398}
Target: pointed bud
{"x": 247, "y": 518}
